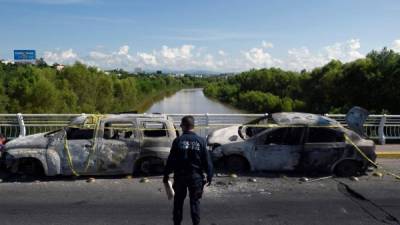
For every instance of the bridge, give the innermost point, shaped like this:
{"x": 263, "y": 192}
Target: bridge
{"x": 381, "y": 128}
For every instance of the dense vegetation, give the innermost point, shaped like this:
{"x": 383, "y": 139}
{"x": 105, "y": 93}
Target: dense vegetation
{"x": 79, "y": 88}
{"x": 372, "y": 82}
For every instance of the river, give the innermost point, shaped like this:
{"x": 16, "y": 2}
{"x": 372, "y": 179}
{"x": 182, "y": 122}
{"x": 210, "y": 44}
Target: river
{"x": 190, "y": 101}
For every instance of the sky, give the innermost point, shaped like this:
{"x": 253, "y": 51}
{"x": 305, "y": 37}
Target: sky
{"x": 207, "y": 35}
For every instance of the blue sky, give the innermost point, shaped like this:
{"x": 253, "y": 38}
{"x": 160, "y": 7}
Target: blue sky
{"x": 218, "y": 35}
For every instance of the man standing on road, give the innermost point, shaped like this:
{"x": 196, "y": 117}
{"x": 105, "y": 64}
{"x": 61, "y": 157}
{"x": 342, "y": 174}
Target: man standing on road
{"x": 188, "y": 160}
{"x": 2, "y": 142}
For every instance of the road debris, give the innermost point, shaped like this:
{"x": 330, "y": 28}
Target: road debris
{"x": 144, "y": 180}
{"x": 129, "y": 177}
{"x": 232, "y": 175}
{"x": 90, "y": 180}
{"x": 317, "y": 179}
{"x": 353, "y": 178}
{"x": 252, "y": 180}
{"x": 304, "y": 179}
{"x": 377, "y": 174}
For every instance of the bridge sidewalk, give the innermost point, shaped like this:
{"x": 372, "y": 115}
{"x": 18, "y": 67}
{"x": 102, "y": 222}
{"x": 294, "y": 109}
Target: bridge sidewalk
{"x": 390, "y": 151}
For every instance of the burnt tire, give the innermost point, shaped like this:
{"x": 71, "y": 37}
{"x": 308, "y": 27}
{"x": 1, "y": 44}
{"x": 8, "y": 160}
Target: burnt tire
{"x": 236, "y": 164}
{"x": 30, "y": 168}
{"x": 348, "y": 168}
{"x": 151, "y": 166}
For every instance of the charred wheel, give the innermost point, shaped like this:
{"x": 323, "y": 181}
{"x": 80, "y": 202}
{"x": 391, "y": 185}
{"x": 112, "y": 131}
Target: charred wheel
{"x": 348, "y": 168}
{"x": 151, "y": 165}
{"x": 235, "y": 163}
{"x": 30, "y": 167}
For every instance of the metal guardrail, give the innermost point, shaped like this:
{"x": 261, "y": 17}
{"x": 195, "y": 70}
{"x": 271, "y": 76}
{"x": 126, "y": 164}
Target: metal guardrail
{"x": 377, "y": 127}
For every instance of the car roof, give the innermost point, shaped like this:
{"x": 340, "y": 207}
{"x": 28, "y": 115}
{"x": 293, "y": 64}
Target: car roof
{"x": 308, "y": 119}
{"x": 79, "y": 120}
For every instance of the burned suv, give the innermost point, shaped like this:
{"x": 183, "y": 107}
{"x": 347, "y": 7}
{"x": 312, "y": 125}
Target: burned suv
{"x": 95, "y": 145}
{"x": 301, "y": 141}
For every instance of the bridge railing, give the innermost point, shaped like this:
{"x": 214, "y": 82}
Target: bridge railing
{"x": 377, "y": 127}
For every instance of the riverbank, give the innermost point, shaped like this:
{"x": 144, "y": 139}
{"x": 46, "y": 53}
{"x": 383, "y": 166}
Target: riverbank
{"x": 149, "y": 100}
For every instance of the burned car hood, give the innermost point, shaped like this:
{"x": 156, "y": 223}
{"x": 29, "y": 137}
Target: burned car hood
{"x": 30, "y": 141}
{"x": 224, "y": 136}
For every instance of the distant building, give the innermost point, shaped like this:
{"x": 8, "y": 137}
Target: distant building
{"x": 6, "y": 61}
{"x": 59, "y": 67}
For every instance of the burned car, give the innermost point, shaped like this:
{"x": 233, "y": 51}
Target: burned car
{"x": 301, "y": 141}
{"x": 95, "y": 145}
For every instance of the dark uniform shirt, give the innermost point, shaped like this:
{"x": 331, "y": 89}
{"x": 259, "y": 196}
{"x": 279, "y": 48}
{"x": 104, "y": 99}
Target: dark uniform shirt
{"x": 189, "y": 157}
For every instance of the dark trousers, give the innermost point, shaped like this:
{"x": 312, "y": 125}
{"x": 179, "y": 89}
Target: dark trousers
{"x": 181, "y": 186}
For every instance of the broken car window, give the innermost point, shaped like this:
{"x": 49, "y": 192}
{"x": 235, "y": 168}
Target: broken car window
{"x": 154, "y": 129}
{"x": 284, "y": 136}
{"x": 74, "y": 133}
{"x": 323, "y": 135}
{"x": 294, "y": 135}
{"x": 276, "y": 136}
{"x": 119, "y": 130}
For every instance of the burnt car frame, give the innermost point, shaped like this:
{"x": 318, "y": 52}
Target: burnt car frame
{"x": 299, "y": 141}
{"x": 101, "y": 145}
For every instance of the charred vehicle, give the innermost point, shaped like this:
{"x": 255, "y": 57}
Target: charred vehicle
{"x": 301, "y": 141}
{"x": 95, "y": 145}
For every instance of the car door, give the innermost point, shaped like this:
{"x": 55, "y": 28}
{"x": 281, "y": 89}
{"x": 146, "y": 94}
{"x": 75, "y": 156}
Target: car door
{"x": 79, "y": 143}
{"x": 279, "y": 149}
{"x": 118, "y": 147}
{"x": 356, "y": 118}
{"x": 156, "y": 137}
{"x": 323, "y": 147}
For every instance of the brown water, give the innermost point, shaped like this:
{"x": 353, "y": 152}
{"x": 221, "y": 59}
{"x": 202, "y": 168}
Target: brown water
{"x": 190, "y": 101}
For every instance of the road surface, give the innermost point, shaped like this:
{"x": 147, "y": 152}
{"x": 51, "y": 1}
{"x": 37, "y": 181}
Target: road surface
{"x": 273, "y": 199}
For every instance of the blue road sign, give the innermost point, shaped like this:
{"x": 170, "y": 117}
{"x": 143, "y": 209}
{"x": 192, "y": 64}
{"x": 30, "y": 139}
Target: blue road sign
{"x": 24, "y": 55}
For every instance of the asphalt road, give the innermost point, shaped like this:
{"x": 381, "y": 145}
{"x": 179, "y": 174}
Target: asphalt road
{"x": 274, "y": 199}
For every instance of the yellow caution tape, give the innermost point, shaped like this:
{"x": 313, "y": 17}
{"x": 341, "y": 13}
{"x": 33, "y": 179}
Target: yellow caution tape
{"x": 94, "y": 119}
{"x": 69, "y": 158}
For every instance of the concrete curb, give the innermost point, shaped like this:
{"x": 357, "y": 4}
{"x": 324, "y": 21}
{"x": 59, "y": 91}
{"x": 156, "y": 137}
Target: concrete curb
{"x": 388, "y": 155}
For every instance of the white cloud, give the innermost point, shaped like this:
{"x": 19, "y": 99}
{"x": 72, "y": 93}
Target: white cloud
{"x": 183, "y": 57}
{"x": 184, "y": 52}
{"x": 189, "y": 57}
{"x": 346, "y": 51}
{"x": 266, "y": 44}
{"x": 148, "y": 59}
{"x": 123, "y": 50}
{"x": 258, "y": 58}
{"x": 396, "y": 45}
{"x": 303, "y": 58}
{"x": 68, "y": 56}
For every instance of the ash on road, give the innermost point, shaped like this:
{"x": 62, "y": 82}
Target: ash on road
{"x": 259, "y": 199}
